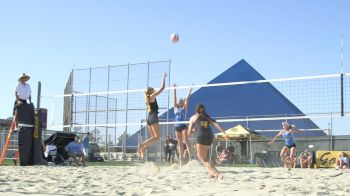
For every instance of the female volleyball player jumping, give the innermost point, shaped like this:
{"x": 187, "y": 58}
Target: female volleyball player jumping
{"x": 199, "y": 123}
{"x": 290, "y": 147}
{"x": 180, "y": 109}
{"x": 152, "y": 118}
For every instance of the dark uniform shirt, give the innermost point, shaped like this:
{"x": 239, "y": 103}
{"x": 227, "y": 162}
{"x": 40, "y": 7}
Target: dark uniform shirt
{"x": 152, "y": 107}
{"x": 202, "y": 125}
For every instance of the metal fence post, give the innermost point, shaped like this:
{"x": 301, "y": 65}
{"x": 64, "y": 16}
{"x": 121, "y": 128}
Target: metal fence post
{"x": 88, "y": 103}
{"x": 331, "y": 131}
{"x": 115, "y": 122}
{"x": 146, "y": 127}
{"x": 71, "y": 77}
{"x": 108, "y": 75}
{"x": 167, "y": 117}
{"x": 251, "y": 149}
{"x": 126, "y": 111}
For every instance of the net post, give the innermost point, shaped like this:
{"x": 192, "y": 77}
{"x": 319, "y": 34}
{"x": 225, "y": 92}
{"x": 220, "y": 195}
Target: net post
{"x": 39, "y": 95}
{"x": 342, "y": 94}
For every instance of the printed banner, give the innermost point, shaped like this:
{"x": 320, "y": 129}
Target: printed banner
{"x": 327, "y": 159}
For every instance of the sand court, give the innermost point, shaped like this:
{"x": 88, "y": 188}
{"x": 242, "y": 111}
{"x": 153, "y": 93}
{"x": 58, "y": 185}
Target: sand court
{"x": 151, "y": 179}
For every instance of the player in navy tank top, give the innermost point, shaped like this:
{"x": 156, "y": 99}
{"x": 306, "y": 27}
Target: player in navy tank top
{"x": 152, "y": 117}
{"x": 200, "y": 124}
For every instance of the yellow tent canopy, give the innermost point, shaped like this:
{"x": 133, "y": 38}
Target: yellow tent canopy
{"x": 241, "y": 134}
{"x": 238, "y": 132}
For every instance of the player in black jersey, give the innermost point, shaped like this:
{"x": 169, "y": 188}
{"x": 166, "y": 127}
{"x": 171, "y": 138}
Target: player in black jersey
{"x": 199, "y": 123}
{"x": 152, "y": 118}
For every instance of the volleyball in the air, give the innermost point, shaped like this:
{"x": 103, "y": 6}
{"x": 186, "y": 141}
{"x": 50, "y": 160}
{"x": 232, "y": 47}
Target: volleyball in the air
{"x": 174, "y": 38}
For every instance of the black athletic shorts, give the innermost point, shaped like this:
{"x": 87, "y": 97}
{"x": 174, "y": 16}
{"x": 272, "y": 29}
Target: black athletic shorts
{"x": 293, "y": 145}
{"x": 205, "y": 140}
{"x": 180, "y": 128}
{"x": 152, "y": 118}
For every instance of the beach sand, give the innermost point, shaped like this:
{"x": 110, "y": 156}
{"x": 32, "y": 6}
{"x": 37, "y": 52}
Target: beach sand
{"x": 190, "y": 179}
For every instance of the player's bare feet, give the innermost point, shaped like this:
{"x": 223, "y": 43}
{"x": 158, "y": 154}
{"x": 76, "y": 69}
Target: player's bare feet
{"x": 219, "y": 176}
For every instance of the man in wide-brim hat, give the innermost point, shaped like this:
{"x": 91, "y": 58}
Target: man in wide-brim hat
{"x": 22, "y": 91}
{"x": 23, "y": 77}
{"x": 24, "y": 117}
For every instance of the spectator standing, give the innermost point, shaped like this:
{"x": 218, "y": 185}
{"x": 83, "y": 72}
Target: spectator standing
{"x": 86, "y": 144}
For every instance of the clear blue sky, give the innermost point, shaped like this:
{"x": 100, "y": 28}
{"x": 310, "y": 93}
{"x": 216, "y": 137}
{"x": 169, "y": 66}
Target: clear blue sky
{"x": 45, "y": 39}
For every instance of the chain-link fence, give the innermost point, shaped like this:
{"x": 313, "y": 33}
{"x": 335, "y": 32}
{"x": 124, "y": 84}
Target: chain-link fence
{"x": 89, "y": 100}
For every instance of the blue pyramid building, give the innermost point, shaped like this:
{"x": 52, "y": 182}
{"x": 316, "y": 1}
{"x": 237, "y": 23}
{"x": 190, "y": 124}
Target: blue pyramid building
{"x": 242, "y": 101}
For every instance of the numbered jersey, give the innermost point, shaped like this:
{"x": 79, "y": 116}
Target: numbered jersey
{"x": 202, "y": 125}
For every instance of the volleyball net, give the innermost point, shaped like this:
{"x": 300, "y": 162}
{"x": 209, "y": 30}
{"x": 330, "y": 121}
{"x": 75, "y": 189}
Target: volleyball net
{"x": 259, "y": 104}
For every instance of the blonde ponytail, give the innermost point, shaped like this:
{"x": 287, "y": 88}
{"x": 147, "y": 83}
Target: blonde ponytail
{"x": 147, "y": 93}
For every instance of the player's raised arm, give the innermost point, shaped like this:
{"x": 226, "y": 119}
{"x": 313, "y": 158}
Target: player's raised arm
{"x": 157, "y": 92}
{"x": 175, "y": 98}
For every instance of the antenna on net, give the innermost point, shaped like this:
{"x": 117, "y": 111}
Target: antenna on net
{"x": 341, "y": 53}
